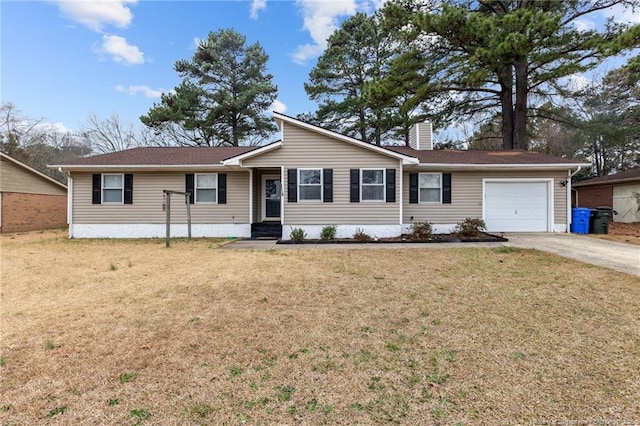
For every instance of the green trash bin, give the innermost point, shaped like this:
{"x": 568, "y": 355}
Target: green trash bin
{"x": 600, "y": 218}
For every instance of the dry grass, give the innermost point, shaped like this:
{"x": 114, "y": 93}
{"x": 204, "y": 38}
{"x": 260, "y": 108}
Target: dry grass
{"x": 124, "y": 332}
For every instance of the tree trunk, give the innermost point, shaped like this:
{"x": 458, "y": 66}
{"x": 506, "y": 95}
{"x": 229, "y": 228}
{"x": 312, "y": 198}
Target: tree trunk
{"x": 506, "y": 101}
{"x": 520, "y": 115}
{"x": 363, "y": 126}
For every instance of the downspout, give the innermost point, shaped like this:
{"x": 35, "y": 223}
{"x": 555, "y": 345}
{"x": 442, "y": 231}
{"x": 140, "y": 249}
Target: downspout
{"x": 569, "y": 216}
{"x": 400, "y": 198}
{"x": 251, "y": 196}
{"x": 69, "y": 201}
{"x": 282, "y": 195}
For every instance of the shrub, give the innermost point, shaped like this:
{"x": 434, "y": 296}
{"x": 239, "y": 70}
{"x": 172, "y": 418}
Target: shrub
{"x": 421, "y": 231}
{"x": 360, "y": 235}
{"x": 297, "y": 234}
{"x": 470, "y": 227}
{"x": 328, "y": 232}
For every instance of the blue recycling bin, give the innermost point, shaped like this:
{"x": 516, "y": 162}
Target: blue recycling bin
{"x": 580, "y": 220}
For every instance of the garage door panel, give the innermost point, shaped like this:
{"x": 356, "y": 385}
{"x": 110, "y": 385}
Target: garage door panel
{"x": 516, "y": 206}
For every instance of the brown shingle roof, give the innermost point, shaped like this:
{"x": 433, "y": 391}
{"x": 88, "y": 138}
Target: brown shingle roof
{"x": 165, "y": 156}
{"x": 452, "y": 156}
{"x": 628, "y": 175}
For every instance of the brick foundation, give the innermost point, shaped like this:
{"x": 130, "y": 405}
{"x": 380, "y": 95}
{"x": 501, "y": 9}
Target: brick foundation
{"x": 29, "y": 212}
{"x": 595, "y": 196}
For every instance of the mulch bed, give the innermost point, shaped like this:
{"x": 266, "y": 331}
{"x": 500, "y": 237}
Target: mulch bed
{"x": 437, "y": 238}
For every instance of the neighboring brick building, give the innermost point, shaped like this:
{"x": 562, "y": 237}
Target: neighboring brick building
{"x": 29, "y": 200}
{"x": 620, "y": 191}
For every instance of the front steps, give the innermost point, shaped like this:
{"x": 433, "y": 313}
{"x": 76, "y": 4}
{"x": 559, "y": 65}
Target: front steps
{"x": 266, "y": 231}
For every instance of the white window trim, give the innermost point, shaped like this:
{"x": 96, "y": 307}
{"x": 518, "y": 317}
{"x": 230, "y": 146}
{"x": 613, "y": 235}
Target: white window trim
{"x": 384, "y": 185}
{"x": 321, "y": 185}
{"x": 102, "y": 188}
{"x": 195, "y": 188}
{"x": 419, "y": 188}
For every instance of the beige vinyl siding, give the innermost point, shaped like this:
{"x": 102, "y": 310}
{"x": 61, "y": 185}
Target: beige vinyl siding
{"x": 148, "y": 198}
{"x": 14, "y": 178}
{"x": 466, "y": 196}
{"x": 303, "y": 148}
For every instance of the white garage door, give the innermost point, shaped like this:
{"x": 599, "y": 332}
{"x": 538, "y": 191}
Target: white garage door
{"x": 516, "y": 206}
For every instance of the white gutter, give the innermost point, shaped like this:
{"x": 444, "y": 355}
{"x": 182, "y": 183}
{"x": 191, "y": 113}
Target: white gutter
{"x": 569, "y": 215}
{"x": 449, "y": 166}
{"x": 69, "y": 202}
{"x": 144, "y": 167}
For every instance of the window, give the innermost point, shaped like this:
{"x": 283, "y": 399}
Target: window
{"x": 430, "y": 187}
{"x": 112, "y": 188}
{"x": 310, "y": 184}
{"x": 206, "y": 188}
{"x": 372, "y": 183}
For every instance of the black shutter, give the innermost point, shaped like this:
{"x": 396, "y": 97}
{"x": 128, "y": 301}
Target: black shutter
{"x": 222, "y": 188}
{"x": 292, "y": 185}
{"x": 190, "y": 187}
{"x": 391, "y": 186}
{"x": 413, "y": 188}
{"x": 128, "y": 189}
{"x": 97, "y": 189}
{"x": 446, "y": 188}
{"x": 355, "y": 185}
{"x": 327, "y": 183}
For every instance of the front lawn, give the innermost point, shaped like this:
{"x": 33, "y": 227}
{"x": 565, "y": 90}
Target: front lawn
{"x": 130, "y": 332}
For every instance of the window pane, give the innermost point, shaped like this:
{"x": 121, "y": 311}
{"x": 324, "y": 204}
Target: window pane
{"x": 429, "y": 195}
{"x": 372, "y": 177}
{"x": 206, "y": 196}
{"x": 429, "y": 180}
{"x": 206, "y": 181}
{"x": 311, "y": 192}
{"x": 372, "y": 192}
{"x": 309, "y": 177}
{"x": 112, "y": 181}
{"x": 112, "y": 195}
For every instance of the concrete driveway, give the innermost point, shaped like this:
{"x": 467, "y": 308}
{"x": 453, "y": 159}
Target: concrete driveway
{"x": 609, "y": 254}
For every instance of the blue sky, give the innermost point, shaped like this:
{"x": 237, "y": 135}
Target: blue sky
{"x": 65, "y": 60}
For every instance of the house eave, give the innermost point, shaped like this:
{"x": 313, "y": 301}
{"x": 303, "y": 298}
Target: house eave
{"x": 237, "y": 160}
{"x": 464, "y": 166}
{"x": 139, "y": 167}
{"x": 607, "y": 182}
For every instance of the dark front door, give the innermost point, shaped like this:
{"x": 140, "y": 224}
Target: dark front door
{"x": 272, "y": 194}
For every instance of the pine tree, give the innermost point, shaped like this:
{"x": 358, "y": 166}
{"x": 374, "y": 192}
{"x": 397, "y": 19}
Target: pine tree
{"x": 223, "y": 96}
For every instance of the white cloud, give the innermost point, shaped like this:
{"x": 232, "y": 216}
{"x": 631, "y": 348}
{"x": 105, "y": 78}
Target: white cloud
{"x": 320, "y": 18}
{"x": 95, "y": 14}
{"x": 134, "y": 90}
{"x": 278, "y": 106}
{"x": 576, "y": 82}
{"x": 120, "y": 50}
{"x": 53, "y": 128}
{"x": 257, "y": 6}
{"x": 622, "y": 14}
{"x": 584, "y": 25}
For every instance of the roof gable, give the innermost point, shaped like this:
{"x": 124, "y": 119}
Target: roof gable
{"x": 32, "y": 170}
{"x": 281, "y": 118}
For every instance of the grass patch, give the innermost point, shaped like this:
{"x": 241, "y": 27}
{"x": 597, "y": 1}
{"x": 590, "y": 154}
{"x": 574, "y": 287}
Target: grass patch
{"x": 58, "y": 410}
{"x": 127, "y": 377}
{"x": 464, "y": 335}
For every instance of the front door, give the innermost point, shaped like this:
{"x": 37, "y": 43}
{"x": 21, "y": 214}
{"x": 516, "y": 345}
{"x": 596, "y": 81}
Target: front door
{"x": 272, "y": 191}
